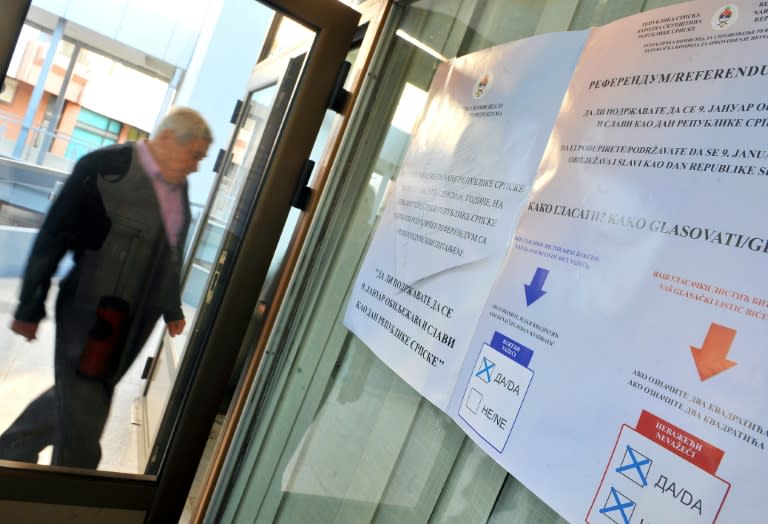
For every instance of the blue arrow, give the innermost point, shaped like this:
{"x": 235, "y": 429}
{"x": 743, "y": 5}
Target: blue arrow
{"x": 533, "y": 291}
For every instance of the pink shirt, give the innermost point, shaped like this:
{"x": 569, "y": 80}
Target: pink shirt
{"x": 169, "y": 196}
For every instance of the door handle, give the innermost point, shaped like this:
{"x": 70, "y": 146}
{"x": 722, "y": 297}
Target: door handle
{"x": 215, "y": 277}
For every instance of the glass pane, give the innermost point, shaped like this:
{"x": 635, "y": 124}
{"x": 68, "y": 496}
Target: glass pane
{"x": 24, "y": 70}
{"x": 243, "y": 151}
{"x": 213, "y": 255}
{"x": 100, "y": 91}
{"x": 108, "y": 82}
{"x": 234, "y": 173}
{"x": 288, "y": 34}
{"x": 242, "y": 171}
{"x": 29, "y": 54}
{"x": 275, "y": 267}
{"x": 515, "y": 502}
{"x": 341, "y": 437}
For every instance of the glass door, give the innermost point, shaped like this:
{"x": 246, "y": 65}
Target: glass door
{"x": 264, "y": 172}
{"x": 241, "y": 169}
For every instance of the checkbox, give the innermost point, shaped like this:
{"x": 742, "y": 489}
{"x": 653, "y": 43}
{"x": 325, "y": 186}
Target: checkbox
{"x": 618, "y": 508}
{"x": 635, "y": 466}
{"x": 473, "y": 400}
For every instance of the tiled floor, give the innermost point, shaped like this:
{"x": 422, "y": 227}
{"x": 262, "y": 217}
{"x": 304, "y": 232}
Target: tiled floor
{"x": 26, "y": 370}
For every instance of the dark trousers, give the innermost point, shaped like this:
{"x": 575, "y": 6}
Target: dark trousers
{"x": 72, "y": 414}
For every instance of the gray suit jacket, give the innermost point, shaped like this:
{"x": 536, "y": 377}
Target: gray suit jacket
{"x": 107, "y": 214}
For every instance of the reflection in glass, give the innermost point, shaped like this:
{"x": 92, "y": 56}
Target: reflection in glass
{"x": 234, "y": 174}
{"x": 244, "y": 145}
{"x": 24, "y": 73}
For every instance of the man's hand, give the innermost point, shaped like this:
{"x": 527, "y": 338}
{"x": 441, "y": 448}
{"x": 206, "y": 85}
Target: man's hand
{"x": 175, "y": 327}
{"x": 27, "y": 330}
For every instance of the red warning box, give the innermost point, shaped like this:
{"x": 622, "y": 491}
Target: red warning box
{"x": 680, "y": 442}
{"x": 659, "y": 473}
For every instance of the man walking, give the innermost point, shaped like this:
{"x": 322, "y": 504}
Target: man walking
{"x": 124, "y": 214}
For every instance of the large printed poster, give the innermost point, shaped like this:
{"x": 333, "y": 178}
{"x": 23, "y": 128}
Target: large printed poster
{"x": 618, "y": 367}
{"x": 623, "y": 348}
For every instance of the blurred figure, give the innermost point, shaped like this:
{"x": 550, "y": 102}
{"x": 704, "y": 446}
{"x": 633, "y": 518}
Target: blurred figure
{"x": 124, "y": 213}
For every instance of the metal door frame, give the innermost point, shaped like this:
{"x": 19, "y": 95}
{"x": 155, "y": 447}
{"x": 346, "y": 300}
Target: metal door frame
{"x": 373, "y": 14}
{"x": 14, "y": 14}
{"x": 163, "y": 496}
{"x": 268, "y": 73}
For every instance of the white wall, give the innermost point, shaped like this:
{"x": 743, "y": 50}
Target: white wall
{"x": 218, "y": 75}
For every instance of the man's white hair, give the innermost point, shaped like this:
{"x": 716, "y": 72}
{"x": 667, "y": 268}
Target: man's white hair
{"x": 186, "y": 124}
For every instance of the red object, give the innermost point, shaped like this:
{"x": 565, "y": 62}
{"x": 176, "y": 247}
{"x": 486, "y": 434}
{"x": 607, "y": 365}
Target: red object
{"x": 104, "y": 338}
{"x": 680, "y": 442}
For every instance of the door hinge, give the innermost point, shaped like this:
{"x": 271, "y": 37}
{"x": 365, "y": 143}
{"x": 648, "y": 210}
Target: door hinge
{"x": 340, "y": 96}
{"x": 219, "y": 160}
{"x": 147, "y": 367}
{"x": 303, "y": 192}
{"x": 215, "y": 277}
{"x": 236, "y": 112}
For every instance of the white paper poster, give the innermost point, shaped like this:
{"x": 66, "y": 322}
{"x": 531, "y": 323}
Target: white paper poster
{"x": 619, "y": 369}
{"x": 449, "y": 220}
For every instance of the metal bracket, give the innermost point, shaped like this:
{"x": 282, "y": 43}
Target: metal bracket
{"x": 147, "y": 367}
{"x": 303, "y": 192}
{"x": 236, "y": 112}
{"x": 340, "y": 96}
{"x": 219, "y": 160}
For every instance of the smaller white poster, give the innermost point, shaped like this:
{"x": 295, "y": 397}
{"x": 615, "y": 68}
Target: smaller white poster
{"x": 479, "y": 143}
{"x": 443, "y": 234}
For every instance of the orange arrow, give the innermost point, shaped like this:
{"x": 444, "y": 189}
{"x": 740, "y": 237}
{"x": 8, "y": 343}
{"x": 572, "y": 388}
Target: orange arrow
{"x": 711, "y": 358}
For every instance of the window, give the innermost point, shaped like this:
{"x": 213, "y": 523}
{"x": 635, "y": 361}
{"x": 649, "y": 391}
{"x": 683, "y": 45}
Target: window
{"x": 92, "y": 131}
{"x": 68, "y": 120}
